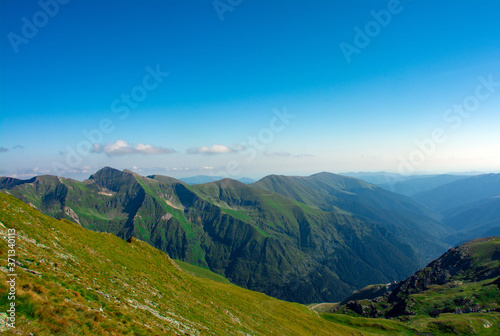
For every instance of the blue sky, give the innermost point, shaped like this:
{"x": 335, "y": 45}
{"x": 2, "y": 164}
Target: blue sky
{"x": 181, "y": 88}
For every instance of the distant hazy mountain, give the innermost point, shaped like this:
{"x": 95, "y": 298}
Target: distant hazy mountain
{"x": 470, "y": 206}
{"x": 461, "y": 192}
{"x": 377, "y": 177}
{"x": 200, "y": 179}
{"x": 326, "y": 238}
{"x": 407, "y": 185}
{"x": 415, "y": 185}
{"x": 476, "y": 219}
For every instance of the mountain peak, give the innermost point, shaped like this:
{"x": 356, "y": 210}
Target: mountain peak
{"x": 106, "y": 170}
{"x": 229, "y": 182}
{"x": 112, "y": 179}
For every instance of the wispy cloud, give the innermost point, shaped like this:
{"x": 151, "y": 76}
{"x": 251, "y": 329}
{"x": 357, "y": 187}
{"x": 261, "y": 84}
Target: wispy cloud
{"x": 213, "y": 150}
{"x": 304, "y": 155}
{"x": 4, "y": 149}
{"x": 188, "y": 168}
{"x": 283, "y": 154}
{"x": 286, "y": 154}
{"x": 371, "y": 157}
{"x": 26, "y": 173}
{"x": 123, "y": 147}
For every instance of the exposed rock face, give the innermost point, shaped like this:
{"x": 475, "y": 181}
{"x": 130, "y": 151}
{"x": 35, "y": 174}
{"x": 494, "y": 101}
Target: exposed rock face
{"x": 68, "y": 211}
{"x": 438, "y": 272}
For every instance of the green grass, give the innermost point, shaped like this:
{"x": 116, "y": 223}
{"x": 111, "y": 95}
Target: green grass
{"x": 238, "y": 214}
{"x": 201, "y": 272}
{"x": 451, "y": 296}
{"x": 446, "y": 324}
{"x": 376, "y": 326}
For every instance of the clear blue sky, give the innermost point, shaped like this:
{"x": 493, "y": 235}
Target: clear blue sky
{"x": 360, "y": 101}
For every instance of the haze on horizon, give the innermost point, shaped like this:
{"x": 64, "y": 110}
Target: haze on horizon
{"x": 248, "y": 88}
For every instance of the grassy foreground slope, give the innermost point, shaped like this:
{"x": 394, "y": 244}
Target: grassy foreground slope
{"x": 72, "y": 281}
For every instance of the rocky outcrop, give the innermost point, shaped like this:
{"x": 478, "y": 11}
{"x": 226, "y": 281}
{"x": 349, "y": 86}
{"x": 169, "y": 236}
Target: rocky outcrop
{"x": 468, "y": 263}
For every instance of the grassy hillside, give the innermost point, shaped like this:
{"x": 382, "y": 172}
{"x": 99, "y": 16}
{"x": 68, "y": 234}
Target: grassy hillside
{"x": 481, "y": 324}
{"x": 201, "y": 272}
{"x": 77, "y": 282}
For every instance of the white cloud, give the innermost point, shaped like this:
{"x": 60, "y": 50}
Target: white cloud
{"x": 137, "y": 169}
{"x": 178, "y": 168}
{"x": 27, "y": 173}
{"x": 214, "y": 149}
{"x": 122, "y": 147}
{"x": 239, "y": 148}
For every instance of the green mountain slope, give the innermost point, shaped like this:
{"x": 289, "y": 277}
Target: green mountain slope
{"x": 72, "y": 281}
{"x": 407, "y": 219}
{"x": 309, "y": 249}
{"x": 257, "y": 239}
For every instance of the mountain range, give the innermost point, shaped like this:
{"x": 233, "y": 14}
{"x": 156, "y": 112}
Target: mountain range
{"x": 311, "y": 246}
{"x": 304, "y": 239}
